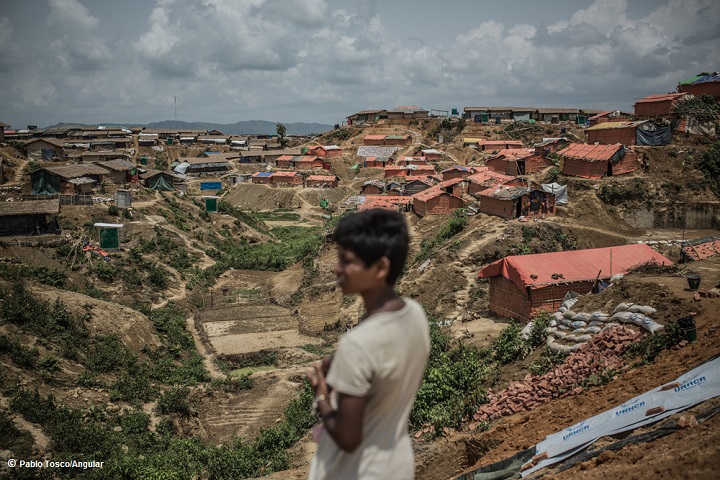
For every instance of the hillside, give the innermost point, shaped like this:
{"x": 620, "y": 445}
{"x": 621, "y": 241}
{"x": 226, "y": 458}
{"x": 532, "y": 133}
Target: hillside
{"x": 191, "y": 342}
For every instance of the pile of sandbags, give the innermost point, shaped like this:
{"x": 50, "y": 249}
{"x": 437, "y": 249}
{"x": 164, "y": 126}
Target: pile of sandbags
{"x": 568, "y": 330}
{"x": 601, "y": 353}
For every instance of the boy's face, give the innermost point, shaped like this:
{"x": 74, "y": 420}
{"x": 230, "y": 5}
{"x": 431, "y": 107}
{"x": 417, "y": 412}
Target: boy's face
{"x": 352, "y": 274}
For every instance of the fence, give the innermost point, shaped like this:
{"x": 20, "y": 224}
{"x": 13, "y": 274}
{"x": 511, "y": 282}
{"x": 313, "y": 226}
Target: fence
{"x": 65, "y": 199}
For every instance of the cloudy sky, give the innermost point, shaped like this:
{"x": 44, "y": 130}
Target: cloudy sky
{"x": 93, "y": 61}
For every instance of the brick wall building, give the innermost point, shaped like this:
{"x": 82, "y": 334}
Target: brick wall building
{"x": 597, "y": 161}
{"x": 657, "y": 105}
{"x": 434, "y": 201}
{"x": 521, "y": 286}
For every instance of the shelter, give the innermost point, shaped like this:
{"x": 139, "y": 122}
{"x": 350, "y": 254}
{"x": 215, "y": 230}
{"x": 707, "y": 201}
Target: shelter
{"x": 306, "y": 162}
{"x": 45, "y": 149}
{"x": 496, "y": 145}
{"x": 364, "y": 116}
{"x": 372, "y": 187}
{"x": 292, "y": 178}
{"x": 157, "y": 180}
{"x": 521, "y": 286}
{"x": 702, "y": 84}
{"x": 374, "y": 140}
{"x": 148, "y": 139}
{"x": 518, "y": 162}
{"x": 412, "y": 161}
{"x": 700, "y": 249}
{"x": 262, "y": 177}
{"x": 396, "y": 203}
{"x": 34, "y": 217}
{"x": 641, "y": 132}
{"x": 550, "y": 145}
{"x": 597, "y": 161}
{"x": 407, "y": 111}
{"x": 399, "y": 140}
{"x": 414, "y": 185}
{"x": 658, "y": 105}
{"x": 485, "y": 178}
{"x": 322, "y": 181}
{"x": 118, "y": 170}
{"x": 284, "y": 161}
{"x": 432, "y": 155}
{"x": 457, "y": 171}
{"x": 377, "y": 162}
{"x": 503, "y": 201}
{"x": 325, "y": 151}
{"x": 209, "y": 164}
{"x": 608, "y": 116}
{"x": 435, "y": 201}
{"x": 68, "y": 179}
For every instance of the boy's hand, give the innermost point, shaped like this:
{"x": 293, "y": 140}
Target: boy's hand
{"x": 326, "y": 362}
{"x": 316, "y": 376}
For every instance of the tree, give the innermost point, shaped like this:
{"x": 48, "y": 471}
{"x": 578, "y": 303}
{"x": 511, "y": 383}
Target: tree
{"x": 281, "y": 131}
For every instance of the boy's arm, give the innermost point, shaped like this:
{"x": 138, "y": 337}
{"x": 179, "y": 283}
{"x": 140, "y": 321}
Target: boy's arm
{"x": 344, "y": 425}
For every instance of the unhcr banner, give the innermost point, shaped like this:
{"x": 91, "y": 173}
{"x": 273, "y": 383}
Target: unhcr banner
{"x": 210, "y": 185}
{"x": 696, "y": 386}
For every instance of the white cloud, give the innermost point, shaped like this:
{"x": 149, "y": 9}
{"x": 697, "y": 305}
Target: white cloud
{"x": 70, "y": 14}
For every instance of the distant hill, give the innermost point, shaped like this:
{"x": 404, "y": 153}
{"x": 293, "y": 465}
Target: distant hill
{"x": 249, "y": 127}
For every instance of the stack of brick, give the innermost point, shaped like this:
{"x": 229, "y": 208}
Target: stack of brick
{"x": 604, "y": 352}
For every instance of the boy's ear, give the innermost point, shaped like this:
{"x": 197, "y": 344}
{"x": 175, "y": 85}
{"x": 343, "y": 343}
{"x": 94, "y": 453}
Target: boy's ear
{"x": 383, "y": 269}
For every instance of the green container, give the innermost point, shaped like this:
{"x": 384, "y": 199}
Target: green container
{"x": 170, "y": 141}
{"x": 689, "y": 327}
{"x": 143, "y": 160}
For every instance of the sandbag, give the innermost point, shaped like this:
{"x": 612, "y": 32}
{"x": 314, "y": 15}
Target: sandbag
{"x": 569, "y": 314}
{"x": 596, "y": 323}
{"x": 599, "y": 317}
{"x": 558, "y": 316}
{"x": 553, "y": 323}
{"x": 644, "y": 309}
{"x": 593, "y": 329}
{"x": 578, "y": 324}
{"x": 621, "y": 316}
{"x": 525, "y": 332}
{"x": 621, "y": 307}
{"x": 582, "y": 317}
{"x": 551, "y": 330}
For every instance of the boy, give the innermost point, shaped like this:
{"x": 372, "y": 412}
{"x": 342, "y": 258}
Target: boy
{"x": 378, "y": 365}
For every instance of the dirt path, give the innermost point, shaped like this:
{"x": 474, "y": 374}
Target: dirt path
{"x": 202, "y": 349}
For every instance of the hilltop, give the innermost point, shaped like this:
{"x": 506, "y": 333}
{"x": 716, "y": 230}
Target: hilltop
{"x": 197, "y": 332}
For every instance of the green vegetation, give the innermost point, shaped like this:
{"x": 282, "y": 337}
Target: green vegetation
{"x": 41, "y": 273}
{"x": 548, "y": 360}
{"x": 650, "y": 346}
{"x": 452, "y": 227}
{"x": 51, "y": 322}
{"x": 452, "y": 383}
{"x": 134, "y": 451}
{"x": 279, "y": 214}
{"x": 710, "y": 165}
{"x": 702, "y": 108}
{"x": 614, "y": 193}
{"x": 509, "y": 346}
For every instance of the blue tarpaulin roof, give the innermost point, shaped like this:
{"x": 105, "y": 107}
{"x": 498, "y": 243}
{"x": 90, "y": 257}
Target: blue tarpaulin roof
{"x": 264, "y": 174}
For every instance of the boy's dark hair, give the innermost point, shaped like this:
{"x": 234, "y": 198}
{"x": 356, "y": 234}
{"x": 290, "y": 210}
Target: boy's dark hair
{"x": 374, "y": 234}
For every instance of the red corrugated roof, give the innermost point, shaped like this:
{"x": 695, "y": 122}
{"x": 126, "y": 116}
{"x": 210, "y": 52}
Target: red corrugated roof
{"x": 285, "y": 174}
{"x": 285, "y": 157}
{"x": 374, "y": 137}
{"x": 500, "y": 142}
{"x": 536, "y": 271}
{"x": 431, "y": 192}
{"x": 704, "y": 250}
{"x": 488, "y": 176}
{"x": 322, "y": 178}
{"x": 513, "y": 154}
{"x": 661, "y": 98}
{"x": 590, "y": 152}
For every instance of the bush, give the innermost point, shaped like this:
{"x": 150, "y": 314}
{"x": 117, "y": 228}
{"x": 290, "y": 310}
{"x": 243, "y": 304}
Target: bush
{"x": 174, "y": 401}
{"x": 113, "y": 210}
{"x": 107, "y": 353}
{"x": 650, "y": 346}
{"x": 509, "y": 346}
{"x": 8, "y": 431}
{"x": 537, "y": 335}
{"x": 451, "y": 387}
{"x": 233, "y": 384}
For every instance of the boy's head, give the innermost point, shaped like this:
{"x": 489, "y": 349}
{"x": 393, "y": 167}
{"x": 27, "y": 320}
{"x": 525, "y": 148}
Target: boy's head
{"x": 374, "y": 234}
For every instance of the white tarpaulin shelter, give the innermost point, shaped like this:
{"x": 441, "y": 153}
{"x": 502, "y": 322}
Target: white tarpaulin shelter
{"x": 560, "y": 192}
